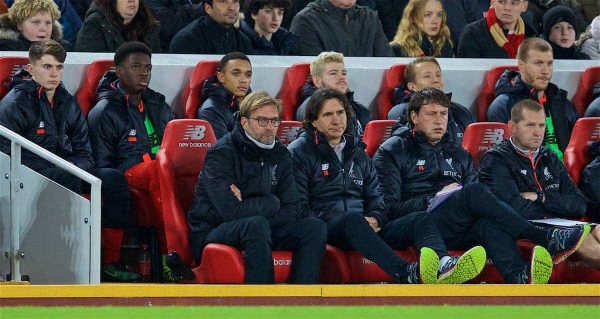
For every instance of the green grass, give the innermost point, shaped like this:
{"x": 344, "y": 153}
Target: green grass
{"x": 297, "y": 312}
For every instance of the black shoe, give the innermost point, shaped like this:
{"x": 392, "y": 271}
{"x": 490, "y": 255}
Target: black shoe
{"x": 539, "y": 269}
{"x": 180, "y": 272}
{"x": 564, "y": 241}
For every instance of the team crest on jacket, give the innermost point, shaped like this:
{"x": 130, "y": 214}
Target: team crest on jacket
{"x": 547, "y": 174}
{"x": 421, "y": 165}
{"x": 449, "y": 161}
{"x": 41, "y": 128}
{"x": 274, "y": 175}
{"x": 132, "y": 136}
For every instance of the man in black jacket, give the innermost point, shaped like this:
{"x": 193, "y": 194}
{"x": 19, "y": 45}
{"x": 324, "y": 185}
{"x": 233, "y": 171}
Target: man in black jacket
{"x": 341, "y": 26}
{"x": 246, "y": 197}
{"x": 420, "y": 168}
{"x": 421, "y": 73}
{"x": 328, "y": 71}
{"x": 214, "y": 32}
{"x": 39, "y": 108}
{"x": 223, "y": 92}
{"x": 530, "y": 177}
{"x": 535, "y": 64}
{"x": 338, "y": 183}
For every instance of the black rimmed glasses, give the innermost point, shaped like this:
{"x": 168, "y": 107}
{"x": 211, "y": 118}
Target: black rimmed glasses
{"x": 263, "y": 121}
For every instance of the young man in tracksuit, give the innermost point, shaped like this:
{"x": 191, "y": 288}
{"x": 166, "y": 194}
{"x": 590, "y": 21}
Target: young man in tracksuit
{"x": 337, "y": 183}
{"x": 127, "y": 125}
{"x": 420, "y": 166}
{"x": 39, "y": 108}
{"x": 531, "y": 179}
{"x": 246, "y": 197}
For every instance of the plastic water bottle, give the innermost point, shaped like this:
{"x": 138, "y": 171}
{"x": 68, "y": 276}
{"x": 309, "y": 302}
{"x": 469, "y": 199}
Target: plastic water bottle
{"x": 145, "y": 264}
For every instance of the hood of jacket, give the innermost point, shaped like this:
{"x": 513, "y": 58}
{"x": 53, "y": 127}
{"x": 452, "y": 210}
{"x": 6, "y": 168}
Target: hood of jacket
{"x": 253, "y": 152}
{"x": 401, "y": 94}
{"x": 212, "y": 88}
{"x": 9, "y": 31}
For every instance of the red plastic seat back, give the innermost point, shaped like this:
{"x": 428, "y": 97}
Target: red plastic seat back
{"x": 86, "y": 95}
{"x": 488, "y": 90}
{"x": 294, "y": 80}
{"x": 391, "y": 79}
{"x": 363, "y": 270}
{"x": 288, "y": 131}
{"x": 192, "y": 94}
{"x": 10, "y": 65}
{"x": 376, "y": 133}
{"x": 480, "y": 137}
{"x": 180, "y": 160}
{"x": 576, "y": 156}
{"x": 583, "y": 95}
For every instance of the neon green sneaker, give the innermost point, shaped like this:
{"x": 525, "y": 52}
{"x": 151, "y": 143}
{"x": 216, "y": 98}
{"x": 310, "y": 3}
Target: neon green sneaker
{"x": 429, "y": 263}
{"x": 539, "y": 269}
{"x": 464, "y": 268}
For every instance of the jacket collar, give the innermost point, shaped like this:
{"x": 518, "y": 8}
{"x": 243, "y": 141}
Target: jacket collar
{"x": 252, "y": 151}
{"x": 213, "y": 27}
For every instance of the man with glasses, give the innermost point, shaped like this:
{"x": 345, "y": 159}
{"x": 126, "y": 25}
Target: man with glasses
{"x": 246, "y": 197}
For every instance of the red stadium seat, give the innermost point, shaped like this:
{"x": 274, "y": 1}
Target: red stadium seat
{"x": 10, "y": 65}
{"x": 288, "y": 131}
{"x": 479, "y": 137}
{"x": 488, "y": 90}
{"x": 86, "y": 95}
{"x": 576, "y": 156}
{"x": 376, "y": 133}
{"x": 583, "y": 95}
{"x": 363, "y": 270}
{"x": 295, "y": 78}
{"x": 192, "y": 93}
{"x": 391, "y": 79}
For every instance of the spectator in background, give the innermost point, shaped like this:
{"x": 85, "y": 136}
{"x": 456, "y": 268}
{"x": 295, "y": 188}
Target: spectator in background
{"x": 81, "y": 7}
{"x": 593, "y": 110}
{"x": 223, "y": 92}
{"x": 535, "y": 64}
{"x": 328, "y": 71}
{"x": 498, "y": 35}
{"x": 340, "y": 26}
{"x": 590, "y": 183}
{"x": 390, "y": 13}
{"x": 419, "y": 74}
{"x": 559, "y": 31}
{"x": 298, "y": 5}
{"x": 173, "y": 16}
{"x": 538, "y": 8}
{"x": 214, "y": 32}
{"x": 110, "y": 23}
{"x": 262, "y": 20}
{"x": 70, "y": 20}
{"x": 423, "y": 31}
{"x": 30, "y": 21}
{"x": 589, "y": 42}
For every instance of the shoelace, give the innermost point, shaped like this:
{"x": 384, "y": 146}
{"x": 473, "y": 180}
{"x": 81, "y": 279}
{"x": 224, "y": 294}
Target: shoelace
{"x": 449, "y": 264}
{"x": 560, "y": 236}
{"x": 413, "y": 273}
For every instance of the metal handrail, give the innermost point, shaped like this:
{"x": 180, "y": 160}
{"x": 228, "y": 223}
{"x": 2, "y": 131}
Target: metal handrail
{"x": 17, "y": 141}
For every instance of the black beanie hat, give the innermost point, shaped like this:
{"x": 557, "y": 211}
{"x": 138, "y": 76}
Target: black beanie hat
{"x": 558, "y": 14}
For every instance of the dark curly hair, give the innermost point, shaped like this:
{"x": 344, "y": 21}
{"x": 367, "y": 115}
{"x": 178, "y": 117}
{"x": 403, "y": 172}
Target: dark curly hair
{"x": 252, "y": 6}
{"x": 138, "y": 28}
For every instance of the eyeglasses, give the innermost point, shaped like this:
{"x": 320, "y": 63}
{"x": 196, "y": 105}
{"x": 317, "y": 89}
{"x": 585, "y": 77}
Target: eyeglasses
{"x": 264, "y": 121}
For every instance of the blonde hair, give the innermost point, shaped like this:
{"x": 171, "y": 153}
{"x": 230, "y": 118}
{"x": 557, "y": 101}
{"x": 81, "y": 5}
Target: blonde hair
{"x": 317, "y": 66}
{"x": 255, "y": 101}
{"x": 409, "y": 37}
{"x": 21, "y": 10}
{"x": 532, "y": 44}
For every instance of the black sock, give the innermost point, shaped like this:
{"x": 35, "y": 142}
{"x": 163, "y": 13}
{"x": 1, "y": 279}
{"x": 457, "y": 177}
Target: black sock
{"x": 536, "y": 234}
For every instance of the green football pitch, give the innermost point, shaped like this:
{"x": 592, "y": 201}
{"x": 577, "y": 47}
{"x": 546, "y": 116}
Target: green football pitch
{"x": 297, "y": 312}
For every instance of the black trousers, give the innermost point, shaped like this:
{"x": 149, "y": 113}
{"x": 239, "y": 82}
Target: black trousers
{"x": 253, "y": 235}
{"x": 114, "y": 189}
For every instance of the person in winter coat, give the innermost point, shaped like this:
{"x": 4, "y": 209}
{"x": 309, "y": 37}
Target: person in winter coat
{"x": 246, "y": 197}
{"x": 30, "y": 21}
{"x": 39, "y": 108}
{"x": 223, "y": 92}
{"x": 173, "y": 16}
{"x": 421, "y": 73}
{"x": 337, "y": 183}
{"x": 560, "y": 32}
{"x": 498, "y": 35}
{"x": 214, "y": 32}
{"x": 262, "y": 20}
{"x": 110, "y": 23}
{"x": 340, "y": 26}
{"x": 593, "y": 110}
{"x": 531, "y": 179}
{"x": 420, "y": 168}
{"x": 589, "y": 41}
{"x": 535, "y": 64}
{"x": 328, "y": 71}
{"x": 423, "y": 31}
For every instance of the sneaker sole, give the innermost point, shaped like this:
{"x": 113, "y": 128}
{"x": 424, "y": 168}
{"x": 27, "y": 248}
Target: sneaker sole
{"x": 541, "y": 265}
{"x": 468, "y": 266}
{"x": 565, "y": 254}
{"x": 429, "y": 263}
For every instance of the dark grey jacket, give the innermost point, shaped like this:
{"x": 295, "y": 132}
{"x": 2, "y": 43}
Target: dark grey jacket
{"x": 476, "y": 41}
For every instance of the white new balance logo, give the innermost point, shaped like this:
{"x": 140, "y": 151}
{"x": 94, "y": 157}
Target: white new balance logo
{"x": 493, "y": 136}
{"x": 194, "y": 132}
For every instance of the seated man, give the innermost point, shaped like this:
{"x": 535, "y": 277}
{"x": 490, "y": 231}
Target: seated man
{"x": 421, "y": 73}
{"x": 539, "y": 190}
{"x": 128, "y": 122}
{"x": 593, "y": 110}
{"x": 590, "y": 183}
{"x": 337, "y": 183}
{"x": 262, "y": 25}
{"x": 421, "y": 168}
{"x": 223, "y": 92}
{"x": 535, "y": 64}
{"x": 39, "y": 108}
{"x": 246, "y": 197}
{"x": 328, "y": 71}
